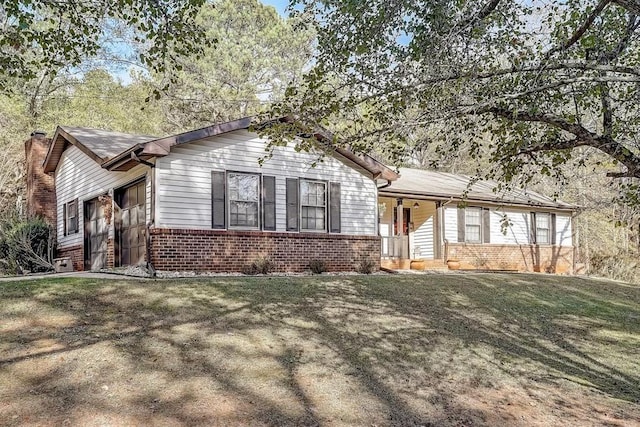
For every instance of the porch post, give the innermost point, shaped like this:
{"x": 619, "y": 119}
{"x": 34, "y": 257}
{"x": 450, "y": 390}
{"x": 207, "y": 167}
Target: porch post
{"x": 437, "y": 232}
{"x": 400, "y": 222}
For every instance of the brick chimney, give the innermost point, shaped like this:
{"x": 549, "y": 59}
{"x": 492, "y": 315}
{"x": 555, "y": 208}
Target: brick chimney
{"x": 41, "y": 189}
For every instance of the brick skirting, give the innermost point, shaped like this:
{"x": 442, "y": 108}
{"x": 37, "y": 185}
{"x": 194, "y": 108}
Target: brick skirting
{"x": 539, "y": 258}
{"x": 76, "y": 253}
{"x": 230, "y": 251}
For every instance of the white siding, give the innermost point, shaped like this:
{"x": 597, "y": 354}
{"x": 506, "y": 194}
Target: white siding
{"x": 183, "y": 181}
{"x": 517, "y": 233}
{"x": 563, "y": 230}
{"x": 79, "y": 177}
{"x": 451, "y": 224}
{"x": 423, "y": 222}
{"x": 386, "y": 221}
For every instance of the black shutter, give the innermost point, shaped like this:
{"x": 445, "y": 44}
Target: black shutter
{"x": 461, "y": 225}
{"x": 486, "y": 225}
{"x": 292, "y": 204}
{"x": 269, "y": 202}
{"x": 64, "y": 220}
{"x": 334, "y": 207}
{"x": 74, "y": 223}
{"x": 534, "y": 238}
{"x": 552, "y": 226}
{"x": 218, "y": 203}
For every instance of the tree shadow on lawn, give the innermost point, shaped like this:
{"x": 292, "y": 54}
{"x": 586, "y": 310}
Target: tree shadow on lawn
{"x": 539, "y": 318}
{"x": 419, "y": 350}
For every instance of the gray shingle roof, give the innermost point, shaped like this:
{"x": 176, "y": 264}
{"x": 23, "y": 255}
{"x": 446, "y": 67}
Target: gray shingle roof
{"x": 103, "y": 143}
{"x": 448, "y": 185}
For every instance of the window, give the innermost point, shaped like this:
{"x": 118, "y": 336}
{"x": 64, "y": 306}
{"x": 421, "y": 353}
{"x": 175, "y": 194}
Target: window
{"x": 70, "y": 216}
{"x": 313, "y": 205}
{"x": 543, "y": 228}
{"x": 244, "y": 199}
{"x": 473, "y": 225}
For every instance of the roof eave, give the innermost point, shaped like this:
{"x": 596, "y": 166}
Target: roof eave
{"x": 444, "y": 197}
{"x": 51, "y": 161}
{"x": 162, "y": 146}
{"x": 124, "y": 157}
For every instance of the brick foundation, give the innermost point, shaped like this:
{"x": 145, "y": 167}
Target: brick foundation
{"x": 230, "y": 251}
{"x": 550, "y": 259}
{"x": 76, "y": 253}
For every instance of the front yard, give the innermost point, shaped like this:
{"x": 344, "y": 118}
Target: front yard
{"x": 472, "y": 349}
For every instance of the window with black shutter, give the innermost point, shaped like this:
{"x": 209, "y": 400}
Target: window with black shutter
{"x": 269, "y": 203}
{"x": 70, "y": 215}
{"x": 335, "y": 220}
{"x": 292, "y": 204}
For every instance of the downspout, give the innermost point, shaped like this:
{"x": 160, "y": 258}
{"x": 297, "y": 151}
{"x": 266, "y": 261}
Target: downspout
{"x": 152, "y": 211}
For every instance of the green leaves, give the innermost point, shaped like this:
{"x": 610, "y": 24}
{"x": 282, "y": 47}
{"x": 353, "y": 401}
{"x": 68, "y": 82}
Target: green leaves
{"x": 36, "y": 34}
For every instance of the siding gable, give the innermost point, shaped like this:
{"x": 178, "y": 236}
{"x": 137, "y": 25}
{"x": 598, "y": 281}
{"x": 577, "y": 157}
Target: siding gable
{"x": 79, "y": 176}
{"x": 184, "y": 181}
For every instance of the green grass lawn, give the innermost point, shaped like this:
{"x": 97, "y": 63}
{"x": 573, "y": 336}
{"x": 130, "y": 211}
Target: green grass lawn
{"x": 454, "y": 349}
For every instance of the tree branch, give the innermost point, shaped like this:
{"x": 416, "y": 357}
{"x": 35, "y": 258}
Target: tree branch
{"x": 582, "y": 29}
{"x": 583, "y": 137}
{"x": 486, "y": 10}
{"x": 632, "y": 6}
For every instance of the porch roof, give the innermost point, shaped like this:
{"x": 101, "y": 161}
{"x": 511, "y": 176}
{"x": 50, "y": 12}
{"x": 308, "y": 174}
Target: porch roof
{"x": 448, "y": 186}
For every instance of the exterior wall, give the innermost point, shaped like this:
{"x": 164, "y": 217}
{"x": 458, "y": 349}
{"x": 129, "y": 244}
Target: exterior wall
{"x": 517, "y": 233}
{"x": 386, "y": 219}
{"x": 422, "y": 237}
{"x": 230, "y": 251}
{"x": 183, "y": 181}
{"x": 80, "y": 177}
{"x": 450, "y": 219}
{"x": 539, "y": 258}
{"x": 41, "y": 190}
{"x": 563, "y": 230}
{"x": 76, "y": 253}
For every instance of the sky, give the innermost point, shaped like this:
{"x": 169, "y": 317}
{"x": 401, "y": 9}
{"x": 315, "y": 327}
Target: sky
{"x": 280, "y": 5}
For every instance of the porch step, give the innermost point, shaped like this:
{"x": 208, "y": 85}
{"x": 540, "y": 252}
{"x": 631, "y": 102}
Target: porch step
{"x": 421, "y": 264}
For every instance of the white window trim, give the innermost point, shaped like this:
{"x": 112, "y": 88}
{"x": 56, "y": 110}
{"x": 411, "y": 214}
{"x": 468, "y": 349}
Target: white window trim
{"x": 326, "y": 205}
{"x": 466, "y": 224}
{"x": 548, "y": 228}
{"x": 67, "y": 218}
{"x": 229, "y": 201}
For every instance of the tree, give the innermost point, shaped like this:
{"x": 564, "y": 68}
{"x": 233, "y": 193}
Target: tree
{"x": 43, "y": 34}
{"x": 521, "y": 83}
{"x": 257, "y": 54}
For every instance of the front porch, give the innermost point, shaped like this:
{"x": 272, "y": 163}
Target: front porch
{"x": 410, "y": 237}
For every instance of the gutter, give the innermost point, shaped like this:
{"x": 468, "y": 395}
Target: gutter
{"x": 385, "y": 185}
{"x": 130, "y": 152}
{"x": 442, "y": 197}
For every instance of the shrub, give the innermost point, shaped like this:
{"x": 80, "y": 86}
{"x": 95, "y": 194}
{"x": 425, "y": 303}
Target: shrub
{"x": 366, "y": 266}
{"x": 26, "y": 245}
{"x": 621, "y": 266}
{"x": 317, "y": 266}
{"x": 261, "y": 265}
